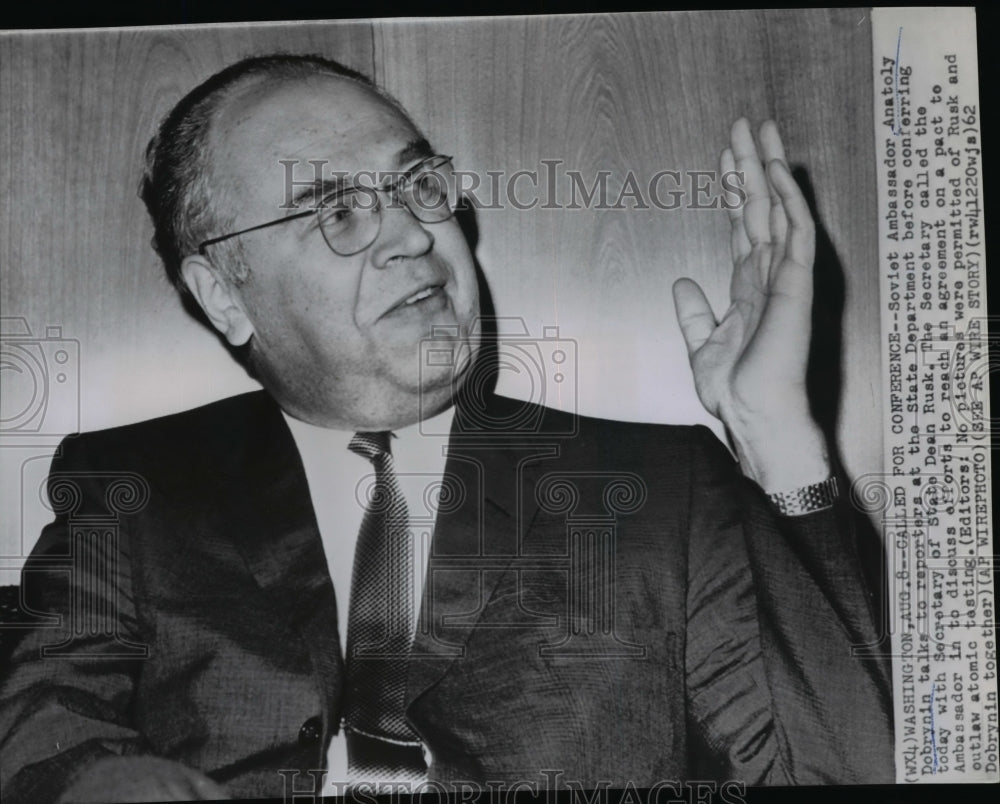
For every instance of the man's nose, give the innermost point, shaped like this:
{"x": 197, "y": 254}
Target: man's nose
{"x": 400, "y": 235}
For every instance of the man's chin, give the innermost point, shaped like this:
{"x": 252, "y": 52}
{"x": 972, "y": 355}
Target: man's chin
{"x": 438, "y": 379}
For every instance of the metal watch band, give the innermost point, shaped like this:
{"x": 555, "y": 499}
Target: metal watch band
{"x": 807, "y": 499}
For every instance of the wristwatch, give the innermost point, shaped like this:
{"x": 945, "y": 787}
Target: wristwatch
{"x": 806, "y": 499}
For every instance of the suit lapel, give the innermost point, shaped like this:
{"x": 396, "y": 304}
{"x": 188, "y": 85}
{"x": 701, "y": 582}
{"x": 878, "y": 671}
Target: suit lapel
{"x": 475, "y": 540}
{"x": 476, "y": 537}
{"x": 280, "y": 539}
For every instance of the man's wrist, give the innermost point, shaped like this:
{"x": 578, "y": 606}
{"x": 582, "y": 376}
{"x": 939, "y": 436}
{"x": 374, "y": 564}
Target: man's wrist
{"x": 783, "y": 454}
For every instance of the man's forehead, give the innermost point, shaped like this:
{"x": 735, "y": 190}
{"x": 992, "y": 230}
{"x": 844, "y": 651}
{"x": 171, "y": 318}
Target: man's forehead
{"x": 318, "y": 117}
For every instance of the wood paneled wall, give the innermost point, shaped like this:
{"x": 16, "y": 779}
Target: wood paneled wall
{"x": 632, "y": 92}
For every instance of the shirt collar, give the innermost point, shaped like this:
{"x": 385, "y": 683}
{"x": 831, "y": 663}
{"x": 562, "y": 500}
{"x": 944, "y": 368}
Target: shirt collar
{"x": 426, "y": 437}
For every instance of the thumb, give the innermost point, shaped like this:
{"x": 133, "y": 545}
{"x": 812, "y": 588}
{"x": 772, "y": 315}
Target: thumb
{"x": 694, "y": 314}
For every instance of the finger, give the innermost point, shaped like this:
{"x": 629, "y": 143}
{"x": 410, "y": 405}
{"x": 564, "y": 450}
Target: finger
{"x": 786, "y": 320}
{"x": 772, "y": 148}
{"x": 778, "y": 223}
{"x": 738, "y": 242}
{"x": 757, "y": 210}
{"x": 800, "y": 245}
{"x": 694, "y": 314}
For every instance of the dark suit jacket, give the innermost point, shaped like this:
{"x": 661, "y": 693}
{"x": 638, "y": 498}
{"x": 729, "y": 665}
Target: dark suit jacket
{"x": 605, "y": 601}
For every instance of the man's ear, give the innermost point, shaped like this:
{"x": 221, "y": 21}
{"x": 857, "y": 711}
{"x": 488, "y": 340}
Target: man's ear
{"x": 217, "y": 298}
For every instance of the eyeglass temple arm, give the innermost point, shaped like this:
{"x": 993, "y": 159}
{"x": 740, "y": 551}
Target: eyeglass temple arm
{"x": 212, "y": 241}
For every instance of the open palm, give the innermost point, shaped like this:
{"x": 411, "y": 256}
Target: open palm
{"x": 751, "y": 363}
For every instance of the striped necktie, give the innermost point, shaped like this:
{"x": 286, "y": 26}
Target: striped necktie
{"x": 381, "y": 744}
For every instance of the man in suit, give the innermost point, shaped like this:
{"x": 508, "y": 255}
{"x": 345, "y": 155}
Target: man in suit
{"x": 603, "y": 603}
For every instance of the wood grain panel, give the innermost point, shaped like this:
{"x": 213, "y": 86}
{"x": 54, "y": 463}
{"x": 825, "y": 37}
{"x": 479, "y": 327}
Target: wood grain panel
{"x": 636, "y": 92}
{"x": 643, "y": 93}
{"x": 76, "y": 112}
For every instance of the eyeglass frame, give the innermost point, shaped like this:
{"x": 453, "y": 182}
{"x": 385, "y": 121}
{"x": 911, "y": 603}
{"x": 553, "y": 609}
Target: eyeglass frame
{"x": 395, "y": 188}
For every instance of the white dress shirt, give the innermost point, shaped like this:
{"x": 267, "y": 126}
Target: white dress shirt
{"x": 337, "y": 479}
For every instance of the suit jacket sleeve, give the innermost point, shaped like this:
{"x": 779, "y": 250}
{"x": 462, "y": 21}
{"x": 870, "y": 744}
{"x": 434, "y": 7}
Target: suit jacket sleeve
{"x": 776, "y": 607}
{"x": 66, "y": 708}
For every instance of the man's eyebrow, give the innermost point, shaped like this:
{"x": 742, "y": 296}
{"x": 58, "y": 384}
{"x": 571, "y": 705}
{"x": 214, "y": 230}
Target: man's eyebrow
{"x": 329, "y": 185}
{"x": 416, "y": 149}
{"x": 317, "y": 190}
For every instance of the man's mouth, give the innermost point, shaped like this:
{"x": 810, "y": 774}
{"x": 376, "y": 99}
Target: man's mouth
{"x": 430, "y": 292}
{"x": 420, "y": 295}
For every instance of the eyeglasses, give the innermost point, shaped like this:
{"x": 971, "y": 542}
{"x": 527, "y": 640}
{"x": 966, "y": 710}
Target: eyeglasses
{"x": 350, "y": 218}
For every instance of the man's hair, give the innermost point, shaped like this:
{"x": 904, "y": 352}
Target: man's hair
{"x": 176, "y": 185}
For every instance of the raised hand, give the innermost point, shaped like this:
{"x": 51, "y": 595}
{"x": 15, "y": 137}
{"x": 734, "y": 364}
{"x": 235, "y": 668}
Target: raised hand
{"x": 750, "y": 366}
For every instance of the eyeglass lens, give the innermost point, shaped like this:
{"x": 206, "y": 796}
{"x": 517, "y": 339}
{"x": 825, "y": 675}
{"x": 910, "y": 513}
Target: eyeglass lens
{"x": 350, "y": 221}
